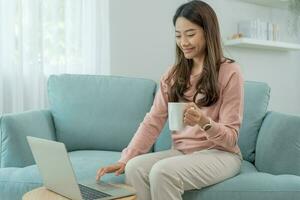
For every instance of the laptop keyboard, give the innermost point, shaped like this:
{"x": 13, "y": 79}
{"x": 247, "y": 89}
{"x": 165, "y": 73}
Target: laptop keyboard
{"x": 91, "y": 194}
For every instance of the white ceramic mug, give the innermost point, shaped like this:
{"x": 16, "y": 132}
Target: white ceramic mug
{"x": 175, "y": 113}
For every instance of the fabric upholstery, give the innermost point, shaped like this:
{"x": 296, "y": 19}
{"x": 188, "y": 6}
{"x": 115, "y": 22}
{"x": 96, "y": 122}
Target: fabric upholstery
{"x": 14, "y": 182}
{"x": 278, "y": 144}
{"x": 96, "y": 117}
{"x": 102, "y": 111}
{"x": 256, "y": 102}
{"x": 14, "y": 128}
{"x": 164, "y": 141}
{"x": 249, "y": 186}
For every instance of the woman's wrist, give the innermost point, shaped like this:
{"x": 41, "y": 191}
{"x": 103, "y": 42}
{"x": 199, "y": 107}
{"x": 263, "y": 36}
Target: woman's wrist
{"x": 203, "y": 121}
{"x": 121, "y": 163}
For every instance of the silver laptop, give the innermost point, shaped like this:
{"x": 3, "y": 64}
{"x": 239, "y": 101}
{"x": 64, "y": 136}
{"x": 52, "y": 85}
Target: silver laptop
{"x": 58, "y": 176}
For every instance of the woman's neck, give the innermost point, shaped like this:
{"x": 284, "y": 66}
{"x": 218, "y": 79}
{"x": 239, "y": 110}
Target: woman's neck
{"x": 197, "y": 65}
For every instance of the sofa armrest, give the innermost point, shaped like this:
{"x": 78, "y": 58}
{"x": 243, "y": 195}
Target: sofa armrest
{"x": 278, "y": 144}
{"x": 14, "y": 149}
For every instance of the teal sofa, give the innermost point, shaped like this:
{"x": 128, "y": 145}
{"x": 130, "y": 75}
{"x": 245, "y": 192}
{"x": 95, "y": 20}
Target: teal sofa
{"x": 96, "y": 116}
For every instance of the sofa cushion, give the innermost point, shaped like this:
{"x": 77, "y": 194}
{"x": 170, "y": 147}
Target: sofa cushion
{"x": 98, "y": 112}
{"x": 256, "y": 100}
{"x": 86, "y": 164}
{"x": 164, "y": 141}
{"x": 14, "y": 182}
{"x": 278, "y": 145}
{"x": 14, "y": 149}
{"x": 249, "y": 185}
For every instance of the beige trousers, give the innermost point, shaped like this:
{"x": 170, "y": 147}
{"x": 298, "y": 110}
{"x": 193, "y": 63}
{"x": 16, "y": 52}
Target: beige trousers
{"x": 167, "y": 174}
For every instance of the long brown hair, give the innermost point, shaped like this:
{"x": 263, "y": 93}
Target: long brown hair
{"x": 200, "y": 13}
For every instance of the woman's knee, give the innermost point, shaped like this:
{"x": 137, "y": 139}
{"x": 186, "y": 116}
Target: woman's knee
{"x": 136, "y": 166}
{"x": 160, "y": 172}
{"x": 130, "y": 171}
{"x": 131, "y": 165}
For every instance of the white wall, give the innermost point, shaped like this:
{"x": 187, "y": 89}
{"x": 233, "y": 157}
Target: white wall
{"x": 142, "y": 37}
{"x": 142, "y": 45}
{"x": 280, "y": 69}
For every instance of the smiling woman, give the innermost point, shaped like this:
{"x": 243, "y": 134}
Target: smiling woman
{"x": 205, "y": 150}
{"x": 190, "y": 39}
{"x": 39, "y": 38}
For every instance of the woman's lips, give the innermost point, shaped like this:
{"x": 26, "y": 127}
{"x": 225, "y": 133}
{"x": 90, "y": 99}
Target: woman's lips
{"x": 188, "y": 50}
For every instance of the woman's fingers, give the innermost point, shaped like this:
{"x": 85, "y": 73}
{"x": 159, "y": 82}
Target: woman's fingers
{"x": 192, "y": 117}
{"x": 190, "y": 106}
{"x": 188, "y": 120}
{"x": 192, "y": 112}
{"x": 101, "y": 172}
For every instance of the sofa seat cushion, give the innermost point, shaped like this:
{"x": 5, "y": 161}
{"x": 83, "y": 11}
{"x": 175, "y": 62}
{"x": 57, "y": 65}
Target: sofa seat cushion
{"x": 250, "y": 184}
{"x": 86, "y": 164}
{"x": 14, "y": 182}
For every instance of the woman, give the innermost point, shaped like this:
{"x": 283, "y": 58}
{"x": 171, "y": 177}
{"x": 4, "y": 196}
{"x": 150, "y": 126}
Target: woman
{"x": 205, "y": 152}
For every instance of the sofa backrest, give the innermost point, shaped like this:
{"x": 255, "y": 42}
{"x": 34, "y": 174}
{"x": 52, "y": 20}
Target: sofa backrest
{"x": 256, "y": 101}
{"x": 98, "y": 112}
{"x": 278, "y": 145}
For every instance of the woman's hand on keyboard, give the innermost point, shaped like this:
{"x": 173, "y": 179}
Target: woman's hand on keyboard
{"x": 117, "y": 168}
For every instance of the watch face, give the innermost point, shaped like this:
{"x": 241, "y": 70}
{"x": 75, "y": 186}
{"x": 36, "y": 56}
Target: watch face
{"x": 207, "y": 127}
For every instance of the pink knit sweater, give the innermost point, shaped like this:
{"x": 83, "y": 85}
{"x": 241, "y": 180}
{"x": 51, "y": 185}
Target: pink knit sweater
{"x": 226, "y": 115}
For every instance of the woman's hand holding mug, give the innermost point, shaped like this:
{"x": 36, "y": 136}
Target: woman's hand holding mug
{"x": 194, "y": 115}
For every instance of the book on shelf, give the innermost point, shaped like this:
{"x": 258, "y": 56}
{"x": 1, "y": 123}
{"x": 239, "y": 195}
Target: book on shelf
{"x": 258, "y": 29}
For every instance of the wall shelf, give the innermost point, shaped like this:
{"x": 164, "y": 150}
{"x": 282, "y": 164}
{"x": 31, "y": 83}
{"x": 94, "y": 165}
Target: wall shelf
{"x": 262, "y": 44}
{"x": 283, "y": 4}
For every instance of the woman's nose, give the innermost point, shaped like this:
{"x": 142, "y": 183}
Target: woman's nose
{"x": 184, "y": 42}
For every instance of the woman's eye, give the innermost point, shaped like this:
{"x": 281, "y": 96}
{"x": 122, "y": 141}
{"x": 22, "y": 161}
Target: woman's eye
{"x": 190, "y": 35}
{"x": 177, "y": 36}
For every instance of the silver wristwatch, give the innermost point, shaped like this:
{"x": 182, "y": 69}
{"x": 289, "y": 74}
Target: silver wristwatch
{"x": 207, "y": 126}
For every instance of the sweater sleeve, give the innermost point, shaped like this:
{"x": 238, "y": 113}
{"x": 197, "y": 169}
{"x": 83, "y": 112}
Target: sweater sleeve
{"x": 225, "y": 132}
{"x": 151, "y": 126}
